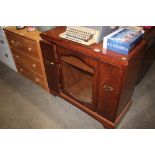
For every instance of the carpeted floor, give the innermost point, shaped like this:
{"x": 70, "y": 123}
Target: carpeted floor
{"x": 24, "y": 104}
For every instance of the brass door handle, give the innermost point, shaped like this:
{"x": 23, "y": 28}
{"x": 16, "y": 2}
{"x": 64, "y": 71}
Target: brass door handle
{"x": 108, "y": 88}
{"x": 49, "y": 63}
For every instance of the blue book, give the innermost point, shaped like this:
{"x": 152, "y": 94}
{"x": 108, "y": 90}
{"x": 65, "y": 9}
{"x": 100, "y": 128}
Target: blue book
{"x": 124, "y": 41}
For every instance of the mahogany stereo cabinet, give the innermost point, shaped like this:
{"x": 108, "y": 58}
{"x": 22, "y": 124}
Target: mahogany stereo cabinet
{"x": 26, "y": 52}
{"x": 100, "y": 83}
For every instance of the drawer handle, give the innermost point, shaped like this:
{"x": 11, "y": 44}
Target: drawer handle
{"x": 29, "y": 49}
{"x": 12, "y": 41}
{"x": 37, "y": 80}
{"x": 17, "y": 56}
{"x": 34, "y": 65}
{"x": 18, "y": 43}
{"x": 108, "y": 88}
{"x": 20, "y": 69}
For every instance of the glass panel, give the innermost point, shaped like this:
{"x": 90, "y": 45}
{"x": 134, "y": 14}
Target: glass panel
{"x": 78, "y": 78}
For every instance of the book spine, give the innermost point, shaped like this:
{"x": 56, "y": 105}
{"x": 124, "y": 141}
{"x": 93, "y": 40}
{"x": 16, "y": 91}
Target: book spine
{"x": 121, "y": 47}
{"x": 117, "y": 47}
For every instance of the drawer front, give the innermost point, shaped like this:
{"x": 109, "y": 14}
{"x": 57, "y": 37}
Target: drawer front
{"x": 28, "y": 62}
{"x": 12, "y": 39}
{"x": 32, "y": 76}
{"x": 25, "y": 45}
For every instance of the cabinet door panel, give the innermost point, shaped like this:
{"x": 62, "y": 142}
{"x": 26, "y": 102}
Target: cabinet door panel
{"x": 109, "y": 84}
{"x": 78, "y": 74}
{"x": 51, "y": 67}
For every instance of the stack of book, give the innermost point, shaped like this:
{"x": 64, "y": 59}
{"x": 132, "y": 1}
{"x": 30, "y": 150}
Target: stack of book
{"x": 122, "y": 40}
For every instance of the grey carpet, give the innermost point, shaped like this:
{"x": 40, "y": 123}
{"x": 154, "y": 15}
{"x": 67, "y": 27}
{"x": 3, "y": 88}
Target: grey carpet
{"x": 24, "y": 104}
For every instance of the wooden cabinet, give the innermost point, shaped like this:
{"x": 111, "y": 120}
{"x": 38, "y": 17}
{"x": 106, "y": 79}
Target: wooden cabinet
{"x": 25, "y": 48}
{"x": 99, "y": 83}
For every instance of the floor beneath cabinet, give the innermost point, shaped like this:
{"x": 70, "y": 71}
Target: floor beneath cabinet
{"x": 26, "y": 105}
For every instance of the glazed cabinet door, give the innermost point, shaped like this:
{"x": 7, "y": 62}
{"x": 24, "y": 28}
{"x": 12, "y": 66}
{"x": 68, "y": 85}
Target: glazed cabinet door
{"x": 78, "y": 74}
{"x": 51, "y": 66}
{"x": 109, "y": 87}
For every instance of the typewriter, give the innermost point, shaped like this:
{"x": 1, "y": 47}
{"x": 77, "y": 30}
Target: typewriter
{"x": 87, "y": 35}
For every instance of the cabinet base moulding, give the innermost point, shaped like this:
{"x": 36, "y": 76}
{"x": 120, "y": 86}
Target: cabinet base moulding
{"x": 105, "y": 122}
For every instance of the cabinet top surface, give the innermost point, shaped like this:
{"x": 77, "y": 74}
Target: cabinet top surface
{"x": 53, "y": 36}
{"x": 33, "y": 35}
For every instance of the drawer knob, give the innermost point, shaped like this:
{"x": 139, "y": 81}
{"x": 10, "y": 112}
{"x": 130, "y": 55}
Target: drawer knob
{"x": 12, "y": 41}
{"x": 29, "y": 49}
{"x": 20, "y": 69}
{"x": 34, "y": 65}
{"x": 108, "y": 88}
{"x": 37, "y": 80}
{"x": 18, "y": 43}
{"x": 17, "y": 56}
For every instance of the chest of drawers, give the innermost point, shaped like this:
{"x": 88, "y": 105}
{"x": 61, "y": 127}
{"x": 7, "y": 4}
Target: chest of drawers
{"x": 26, "y": 52}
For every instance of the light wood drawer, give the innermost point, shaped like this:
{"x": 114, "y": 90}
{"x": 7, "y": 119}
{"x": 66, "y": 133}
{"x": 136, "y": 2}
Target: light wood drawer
{"x": 27, "y": 61}
{"x": 25, "y": 45}
{"x": 12, "y": 39}
{"x": 31, "y": 75}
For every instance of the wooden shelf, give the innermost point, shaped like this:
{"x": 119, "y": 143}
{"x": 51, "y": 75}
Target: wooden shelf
{"x": 77, "y": 63}
{"x": 82, "y": 90}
